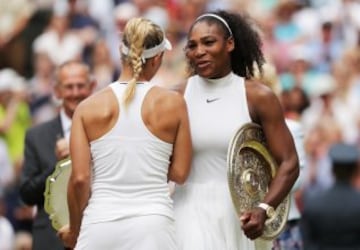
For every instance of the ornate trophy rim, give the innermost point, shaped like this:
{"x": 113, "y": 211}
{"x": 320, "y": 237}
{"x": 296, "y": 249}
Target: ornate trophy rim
{"x": 246, "y": 183}
{"x": 55, "y": 204}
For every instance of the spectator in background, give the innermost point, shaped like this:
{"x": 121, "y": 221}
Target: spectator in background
{"x": 58, "y": 41}
{"x": 318, "y": 174}
{"x": 286, "y": 32}
{"x": 14, "y": 120}
{"x": 104, "y": 69}
{"x": 299, "y": 72}
{"x": 326, "y": 48}
{"x": 331, "y": 218}
{"x": 14, "y": 16}
{"x": 83, "y": 25}
{"x": 14, "y": 115}
{"x": 42, "y": 102}
{"x": 294, "y": 101}
{"x": 122, "y": 13}
{"x": 47, "y": 143}
{"x": 328, "y": 103}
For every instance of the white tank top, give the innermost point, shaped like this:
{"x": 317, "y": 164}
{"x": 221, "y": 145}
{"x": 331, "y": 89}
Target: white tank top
{"x": 217, "y": 108}
{"x": 130, "y": 167}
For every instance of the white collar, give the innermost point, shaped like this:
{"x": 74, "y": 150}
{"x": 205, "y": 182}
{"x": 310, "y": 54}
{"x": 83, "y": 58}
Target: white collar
{"x": 216, "y": 83}
{"x": 65, "y": 123}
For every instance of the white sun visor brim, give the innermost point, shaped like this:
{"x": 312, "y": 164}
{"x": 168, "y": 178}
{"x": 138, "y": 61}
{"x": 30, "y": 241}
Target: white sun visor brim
{"x": 148, "y": 53}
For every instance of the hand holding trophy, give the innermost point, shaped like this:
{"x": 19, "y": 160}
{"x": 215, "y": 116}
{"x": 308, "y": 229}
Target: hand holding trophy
{"x": 251, "y": 169}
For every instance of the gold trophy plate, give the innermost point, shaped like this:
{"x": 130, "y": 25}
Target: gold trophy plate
{"x": 251, "y": 169}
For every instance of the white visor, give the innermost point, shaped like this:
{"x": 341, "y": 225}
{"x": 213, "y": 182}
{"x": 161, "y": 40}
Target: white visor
{"x": 148, "y": 53}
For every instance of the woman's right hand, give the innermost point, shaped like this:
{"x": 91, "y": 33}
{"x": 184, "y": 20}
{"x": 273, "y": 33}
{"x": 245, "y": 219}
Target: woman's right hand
{"x": 69, "y": 238}
{"x": 62, "y": 149}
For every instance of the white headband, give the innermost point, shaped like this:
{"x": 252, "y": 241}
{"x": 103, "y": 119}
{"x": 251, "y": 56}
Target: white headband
{"x": 148, "y": 53}
{"x": 218, "y": 18}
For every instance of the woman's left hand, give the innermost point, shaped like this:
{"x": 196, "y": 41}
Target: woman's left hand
{"x": 69, "y": 238}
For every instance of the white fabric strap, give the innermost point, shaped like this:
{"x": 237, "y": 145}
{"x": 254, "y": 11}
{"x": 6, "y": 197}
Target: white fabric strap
{"x": 148, "y": 53}
{"x": 218, "y": 18}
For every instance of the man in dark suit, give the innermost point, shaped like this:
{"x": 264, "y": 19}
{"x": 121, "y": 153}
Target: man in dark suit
{"x": 331, "y": 218}
{"x": 47, "y": 143}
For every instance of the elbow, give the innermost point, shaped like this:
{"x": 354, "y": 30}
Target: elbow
{"x": 178, "y": 172}
{"x": 180, "y": 181}
{"x": 178, "y": 175}
{"x": 294, "y": 171}
{"x": 79, "y": 182}
{"x": 178, "y": 178}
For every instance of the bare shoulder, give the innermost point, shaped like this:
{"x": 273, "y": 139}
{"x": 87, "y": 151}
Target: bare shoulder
{"x": 261, "y": 99}
{"x": 258, "y": 90}
{"x": 258, "y": 93}
{"x": 97, "y": 104}
{"x": 169, "y": 97}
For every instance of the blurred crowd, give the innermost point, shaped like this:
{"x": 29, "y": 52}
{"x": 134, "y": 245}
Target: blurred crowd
{"x": 312, "y": 48}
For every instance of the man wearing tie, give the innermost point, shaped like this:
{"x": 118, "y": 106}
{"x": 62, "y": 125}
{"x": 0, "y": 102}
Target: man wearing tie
{"x": 47, "y": 143}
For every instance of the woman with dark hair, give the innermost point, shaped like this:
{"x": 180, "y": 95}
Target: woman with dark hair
{"x": 223, "y": 50}
{"x": 130, "y": 139}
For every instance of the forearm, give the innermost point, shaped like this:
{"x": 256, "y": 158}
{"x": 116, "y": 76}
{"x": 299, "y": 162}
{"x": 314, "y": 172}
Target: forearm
{"x": 283, "y": 182}
{"x": 299, "y": 181}
{"x": 78, "y": 196}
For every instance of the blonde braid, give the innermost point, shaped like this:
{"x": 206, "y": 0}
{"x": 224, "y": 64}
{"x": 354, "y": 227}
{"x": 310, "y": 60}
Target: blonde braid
{"x": 136, "y": 63}
{"x": 140, "y": 33}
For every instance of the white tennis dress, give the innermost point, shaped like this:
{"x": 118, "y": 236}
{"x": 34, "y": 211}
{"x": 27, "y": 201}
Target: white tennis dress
{"x": 130, "y": 205}
{"x": 205, "y": 217}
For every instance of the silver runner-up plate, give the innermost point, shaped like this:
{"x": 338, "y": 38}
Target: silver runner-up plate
{"x": 251, "y": 169}
{"x": 56, "y": 194}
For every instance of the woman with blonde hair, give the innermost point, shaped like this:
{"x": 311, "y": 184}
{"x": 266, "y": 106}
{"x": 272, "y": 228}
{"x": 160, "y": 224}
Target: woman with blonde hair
{"x": 129, "y": 140}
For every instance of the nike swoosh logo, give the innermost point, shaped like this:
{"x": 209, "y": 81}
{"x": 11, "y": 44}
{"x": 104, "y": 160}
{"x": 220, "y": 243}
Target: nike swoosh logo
{"x": 212, "y": 100}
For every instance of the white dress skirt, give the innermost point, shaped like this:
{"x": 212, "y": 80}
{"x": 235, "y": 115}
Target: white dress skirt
{"x": 150, "y": 232}
{"x": 204, "y": 216}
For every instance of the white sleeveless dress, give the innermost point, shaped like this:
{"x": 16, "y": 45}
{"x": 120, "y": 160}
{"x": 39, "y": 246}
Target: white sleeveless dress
{"x": 205, "y": 217}
{"x": 130, "y": 206}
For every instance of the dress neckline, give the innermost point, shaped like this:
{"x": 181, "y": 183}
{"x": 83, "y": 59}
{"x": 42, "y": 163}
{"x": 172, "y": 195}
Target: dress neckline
{"x": 217, "y": 83}
{"x": 128, "y": 82}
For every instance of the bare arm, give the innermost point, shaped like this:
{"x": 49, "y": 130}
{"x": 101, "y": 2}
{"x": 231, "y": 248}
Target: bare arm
{"x": 281, "y": 145}
{"x": 266, "y": 110}
{"x": 182, "y": 152}
{"x": 79, "y": 183}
